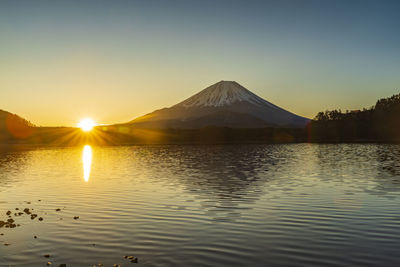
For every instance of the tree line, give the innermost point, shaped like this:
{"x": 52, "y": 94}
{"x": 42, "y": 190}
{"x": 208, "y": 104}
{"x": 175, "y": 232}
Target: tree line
{"x": 380, "y": 123}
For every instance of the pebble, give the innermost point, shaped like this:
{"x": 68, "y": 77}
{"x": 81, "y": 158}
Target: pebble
{"x": 27, "y": 211}
{"x": 132, "y": 259}
{"x": 8, "y": 224}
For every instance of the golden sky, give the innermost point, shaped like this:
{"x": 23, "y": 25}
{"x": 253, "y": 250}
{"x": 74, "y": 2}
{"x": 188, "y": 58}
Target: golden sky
{"x": 114, "y": 61}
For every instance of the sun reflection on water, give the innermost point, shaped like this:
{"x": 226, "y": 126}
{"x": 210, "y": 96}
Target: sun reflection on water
{"x": 87, "y": 162}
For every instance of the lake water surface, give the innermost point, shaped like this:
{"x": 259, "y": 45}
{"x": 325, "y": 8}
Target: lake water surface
{"x": 235, "y": 205}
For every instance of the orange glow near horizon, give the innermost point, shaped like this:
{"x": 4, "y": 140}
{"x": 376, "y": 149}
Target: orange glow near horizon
{"x": 87, "y": 124}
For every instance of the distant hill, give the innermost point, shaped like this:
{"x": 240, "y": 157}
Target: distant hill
{"x": 13, "y": 126}
{"x": 224, "y": 104}
{"x": 215, "y": 117}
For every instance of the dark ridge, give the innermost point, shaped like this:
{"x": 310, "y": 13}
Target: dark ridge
{"x": 379, "y": 123}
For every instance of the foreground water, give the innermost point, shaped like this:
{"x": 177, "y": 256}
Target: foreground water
{"x": 250, "y": 205}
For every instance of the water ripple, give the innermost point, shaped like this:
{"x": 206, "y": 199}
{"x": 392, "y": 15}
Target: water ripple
{"x": 250, "y": 205}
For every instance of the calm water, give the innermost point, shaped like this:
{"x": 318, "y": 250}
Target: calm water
{"x": 252, "y": 205}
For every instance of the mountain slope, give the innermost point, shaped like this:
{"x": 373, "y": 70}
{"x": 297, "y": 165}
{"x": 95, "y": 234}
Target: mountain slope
{"x": 224, "y": 104}
{"x": 13, "y": 126}
{"x": 223, "y": 93}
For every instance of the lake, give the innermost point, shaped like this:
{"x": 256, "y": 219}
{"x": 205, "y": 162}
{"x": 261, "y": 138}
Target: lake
{"x": 232, "y": 205}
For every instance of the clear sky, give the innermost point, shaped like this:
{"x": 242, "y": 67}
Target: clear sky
{"x": 116, "y": 60}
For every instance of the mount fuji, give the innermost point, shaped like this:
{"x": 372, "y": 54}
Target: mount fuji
{"x": 224, "y": 104}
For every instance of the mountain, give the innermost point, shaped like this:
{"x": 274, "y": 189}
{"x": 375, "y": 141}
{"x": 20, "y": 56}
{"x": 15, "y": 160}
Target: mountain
{"x": 13, "y": 126}
{"x": 224, "y": 104}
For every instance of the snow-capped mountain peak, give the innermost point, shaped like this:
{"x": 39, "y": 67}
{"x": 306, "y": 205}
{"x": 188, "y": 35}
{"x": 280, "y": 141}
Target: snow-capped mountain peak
{"x": 224, "y": 104}
{"x": 223, "y": 93}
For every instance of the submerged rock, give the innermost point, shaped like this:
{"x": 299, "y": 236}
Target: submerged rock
{"x": 27, "y": 211}
{"x": 8, "y": 224}
{"x": 132, "y": 259}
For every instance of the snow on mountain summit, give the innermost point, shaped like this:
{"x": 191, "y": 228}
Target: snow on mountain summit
{"x": 224, "y": 104}
{"x": 223, "y": 93}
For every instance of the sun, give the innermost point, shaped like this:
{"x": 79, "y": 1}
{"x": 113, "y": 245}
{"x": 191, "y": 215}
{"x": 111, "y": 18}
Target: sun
{"x": 86, "y": 124}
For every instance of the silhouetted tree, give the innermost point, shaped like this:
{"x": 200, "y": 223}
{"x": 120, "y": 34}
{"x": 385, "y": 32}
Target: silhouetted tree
{"x": 378, "y": 123}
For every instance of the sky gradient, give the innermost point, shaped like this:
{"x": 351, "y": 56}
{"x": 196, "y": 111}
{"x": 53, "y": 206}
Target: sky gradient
{"x": 112, "y": 61}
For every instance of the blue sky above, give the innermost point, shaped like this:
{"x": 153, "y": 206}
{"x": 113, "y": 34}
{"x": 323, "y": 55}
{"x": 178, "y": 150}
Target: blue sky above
{"x": 116, "y": 60}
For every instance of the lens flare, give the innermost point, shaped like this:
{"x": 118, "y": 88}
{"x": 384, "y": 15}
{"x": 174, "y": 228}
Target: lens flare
{"x": 86, "y": 124}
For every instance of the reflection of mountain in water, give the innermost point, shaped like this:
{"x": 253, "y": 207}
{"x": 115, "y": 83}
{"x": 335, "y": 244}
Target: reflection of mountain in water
{"x": 225, "y": 179}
